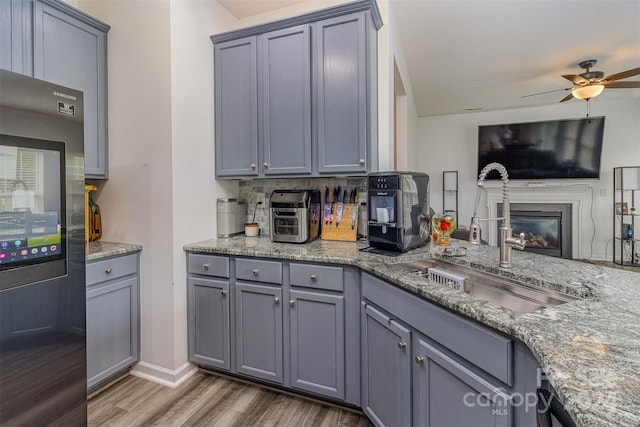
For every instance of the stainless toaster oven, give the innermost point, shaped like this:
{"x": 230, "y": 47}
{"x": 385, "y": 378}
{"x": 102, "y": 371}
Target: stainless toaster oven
{"x": 294, "y": 215}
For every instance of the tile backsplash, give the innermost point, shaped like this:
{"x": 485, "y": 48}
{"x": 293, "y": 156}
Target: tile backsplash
{"x": 248, "y": 190}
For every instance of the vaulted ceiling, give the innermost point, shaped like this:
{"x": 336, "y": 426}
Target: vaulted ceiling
{"x": 470, "y": 55}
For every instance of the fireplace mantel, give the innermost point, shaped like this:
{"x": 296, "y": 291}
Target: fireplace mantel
{"x": 578, "y": 195}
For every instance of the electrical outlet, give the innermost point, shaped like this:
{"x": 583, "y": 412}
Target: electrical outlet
{"x": 260, "y": 199}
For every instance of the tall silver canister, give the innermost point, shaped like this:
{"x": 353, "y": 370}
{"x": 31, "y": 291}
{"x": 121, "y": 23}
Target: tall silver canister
{"x": 231, "y": 216}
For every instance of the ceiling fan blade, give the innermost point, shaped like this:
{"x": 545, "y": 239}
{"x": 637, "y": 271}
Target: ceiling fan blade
{"x": 575, "y": 79}
{"x": 623, "y": 75}
{"x": 622, "y": 85}
{"x": 567, "y": 98}
{"x": 542, "y": 93}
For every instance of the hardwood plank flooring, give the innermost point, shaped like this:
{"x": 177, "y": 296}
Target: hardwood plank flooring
{"x": 210, "y": 400}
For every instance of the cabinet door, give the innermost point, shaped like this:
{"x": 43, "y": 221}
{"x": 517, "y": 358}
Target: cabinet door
{"x": 236, "y": 103}
{"x": 386, "y": 349}
{"x": 285, "y": 88}
{"x": 16, "y": 38}
{"x": 71, "y": 53}
{"x": 317, "y": 343}
{"x": 112, "y": 334}
{"x": 447, "y": 393}
{"x": 259, "y": 331}
{"x": 341, "y": 85}
{"x": 209, "y": 330}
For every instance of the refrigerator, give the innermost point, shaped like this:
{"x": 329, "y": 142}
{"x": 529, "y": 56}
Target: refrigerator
{"x": 42, "y": 254}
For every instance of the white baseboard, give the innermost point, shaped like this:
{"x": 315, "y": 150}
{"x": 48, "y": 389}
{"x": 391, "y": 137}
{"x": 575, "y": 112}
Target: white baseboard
{"x": 164, "y": 376}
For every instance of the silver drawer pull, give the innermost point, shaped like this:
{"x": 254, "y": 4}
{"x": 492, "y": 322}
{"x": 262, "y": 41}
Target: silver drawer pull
{"x": 255, "y": 272}
{"x": 292, "y": 302}
{"x": 205, "y": 267}
{"x": 420, "y": 360}
{"x": 266, "y": 165}
{"x": 361, "y": 162}
{"x": 108, "y": 270}
{"x": 402, "y": 345}
{"x": 224, "y": 293}
{"x": 313, "y": 278}
{"x": 276, "y": 300}
{"x": 253, "y": 165}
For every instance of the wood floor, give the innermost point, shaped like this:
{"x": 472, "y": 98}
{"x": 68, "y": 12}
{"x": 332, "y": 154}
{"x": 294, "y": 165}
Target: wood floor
{"x": 209, "y": 400}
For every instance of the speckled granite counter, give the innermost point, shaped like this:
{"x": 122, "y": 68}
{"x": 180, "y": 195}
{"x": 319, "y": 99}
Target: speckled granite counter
{"x": 590, "y": 347}
{"x": 99, "y": 249}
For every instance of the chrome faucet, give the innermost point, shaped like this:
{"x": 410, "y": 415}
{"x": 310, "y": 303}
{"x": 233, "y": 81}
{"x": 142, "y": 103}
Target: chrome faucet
{"x": 507, "y": 241}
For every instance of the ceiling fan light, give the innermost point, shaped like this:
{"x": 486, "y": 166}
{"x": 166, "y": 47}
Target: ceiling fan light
{"x": 587, "y": 92}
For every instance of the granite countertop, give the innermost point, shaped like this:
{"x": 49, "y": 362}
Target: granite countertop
{"x": 589, "y": 347}
{"x": 99, "y": 249}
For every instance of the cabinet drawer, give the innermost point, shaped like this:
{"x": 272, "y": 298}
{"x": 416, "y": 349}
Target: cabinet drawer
{"x": 259, "y": 270}
{"x": 209, "y": 265}
{"x": 111, "y": 268}
{"x": 317, "y": 276}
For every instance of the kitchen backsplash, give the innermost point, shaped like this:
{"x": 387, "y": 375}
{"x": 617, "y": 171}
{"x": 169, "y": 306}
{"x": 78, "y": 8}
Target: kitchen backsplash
{"x": 248, "y": 189}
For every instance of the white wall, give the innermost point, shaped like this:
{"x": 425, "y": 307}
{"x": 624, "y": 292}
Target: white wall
{"x": 161, "y": 191}
{"x": 450, "y": 143}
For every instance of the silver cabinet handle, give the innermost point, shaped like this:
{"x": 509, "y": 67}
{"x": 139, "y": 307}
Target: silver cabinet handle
{"x": 224, "y": 293}
{"x": 313, "y": 278}
{"x": 361, "y": 162}
{"x": 255, "y": 272}
{"x": 276, "y": 300}
{"x": 402, "y": 345}
{"x": 420, "y": 360}
{"x": 205, "y": 267}
{"x": 108, "y": 270}
{"x": 292, "y": 302}
{"x": 266, "y": 165}
{"x": 253, "y": 165}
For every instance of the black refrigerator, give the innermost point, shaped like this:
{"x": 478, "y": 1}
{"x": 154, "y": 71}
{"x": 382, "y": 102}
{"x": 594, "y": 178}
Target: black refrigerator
{"x": 43, "y": 378}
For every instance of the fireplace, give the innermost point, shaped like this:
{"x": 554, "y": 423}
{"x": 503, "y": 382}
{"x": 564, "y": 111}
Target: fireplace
{"x": 546, "y": 226}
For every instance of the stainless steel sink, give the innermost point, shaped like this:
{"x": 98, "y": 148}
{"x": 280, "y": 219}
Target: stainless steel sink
{"x": 516, "y": 296}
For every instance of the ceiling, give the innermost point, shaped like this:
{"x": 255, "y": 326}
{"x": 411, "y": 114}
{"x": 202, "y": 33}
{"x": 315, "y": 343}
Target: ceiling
{"x": 480, "y": 55}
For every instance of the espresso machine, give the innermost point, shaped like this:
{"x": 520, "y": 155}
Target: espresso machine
{"x": 399, "y": 212}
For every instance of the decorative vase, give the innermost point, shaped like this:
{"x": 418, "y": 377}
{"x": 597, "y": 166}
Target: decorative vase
{"x": 442, "y": 225}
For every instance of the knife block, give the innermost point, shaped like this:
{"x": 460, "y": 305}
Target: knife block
{"x": 347, "y": 228}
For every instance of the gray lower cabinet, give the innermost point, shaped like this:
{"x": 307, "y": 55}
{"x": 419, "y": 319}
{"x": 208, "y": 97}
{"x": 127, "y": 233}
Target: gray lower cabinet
{"x": 386, "y": 369}
{"x": 209, "y": 332}
{"x": 113, "y": 322}
{"x": 52, "y": 41}
{"x": 447, "y": 393}
{"x": 317, "y": 334}
{"x": 437, "y": 368}
{"x": 259, "y": 331}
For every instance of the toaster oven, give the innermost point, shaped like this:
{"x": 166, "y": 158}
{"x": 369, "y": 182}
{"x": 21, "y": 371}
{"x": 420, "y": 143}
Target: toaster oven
{"x": 294, "y": 215}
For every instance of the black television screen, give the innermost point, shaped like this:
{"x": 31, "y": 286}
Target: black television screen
{"x": 552, "y": 149}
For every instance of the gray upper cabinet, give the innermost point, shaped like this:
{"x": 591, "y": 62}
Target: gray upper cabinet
{"x": 342, "y": 97}
{"x": 16, "y": 36}
{"x": 236, "y": 100}
{"x": 71, "y": 50}
{"x": 309, "y": 106}
{"x": 52, "y": 41}
{"x": 285, "y": 89}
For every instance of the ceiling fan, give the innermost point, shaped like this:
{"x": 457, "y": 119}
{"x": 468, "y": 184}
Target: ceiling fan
{"x": 591, "y": 83}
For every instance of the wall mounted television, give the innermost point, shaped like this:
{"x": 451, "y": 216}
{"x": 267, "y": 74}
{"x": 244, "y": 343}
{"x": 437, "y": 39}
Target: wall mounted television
{"x": 554, "y": 149}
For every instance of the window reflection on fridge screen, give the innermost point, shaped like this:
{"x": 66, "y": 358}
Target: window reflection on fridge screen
{"x": 32, "y": 201}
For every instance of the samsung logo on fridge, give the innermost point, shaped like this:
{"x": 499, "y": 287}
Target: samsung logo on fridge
{"x": 64, "y": 95}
